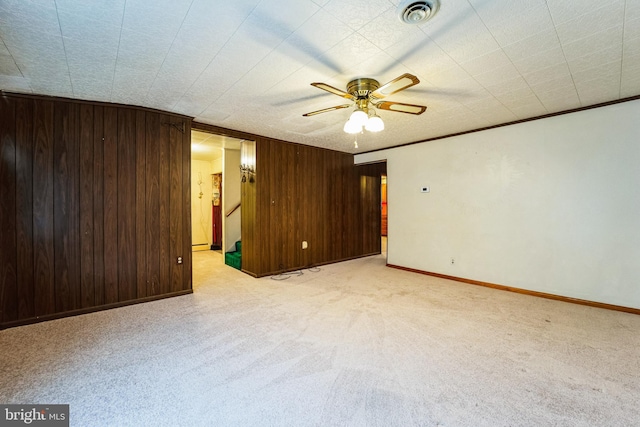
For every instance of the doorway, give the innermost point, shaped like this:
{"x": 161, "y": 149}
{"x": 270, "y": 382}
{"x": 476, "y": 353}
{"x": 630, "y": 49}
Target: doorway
{"x": 383, "y": 213}
{"x": 215, "y": 199}
{"x": 206, "y": 161}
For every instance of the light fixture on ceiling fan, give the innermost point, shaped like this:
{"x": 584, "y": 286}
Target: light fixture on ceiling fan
{"x": 367, "y": 93}
{"x": 364, "y": 116}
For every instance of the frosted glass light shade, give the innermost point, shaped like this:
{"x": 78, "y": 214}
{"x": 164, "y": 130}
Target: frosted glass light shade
{"x": 374, "y": 124}
{"x": 352, "y": 127}
{"x": 359, "y": 117}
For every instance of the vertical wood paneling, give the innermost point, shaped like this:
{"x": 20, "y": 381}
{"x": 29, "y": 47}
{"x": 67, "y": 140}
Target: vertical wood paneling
{"x": 248, "y": 217}
{"x": 175, "y": 208}
{"x": 8, "y": 261}
{"x": 94, "y": 207}
{"x": 98, "y": 205}
{"x": 247, "y": 224}
{"x": 43, "y": 235}
{"x": 110, "y": 165}
{"x": 24, "y": 208}
{"x": 186, "y": 205}
{"x": 350, "y": 217}
{"x": 311, "y": 194}
{"x": 336, "y": 234}
{"x": 163, "y": 211}
{"x": 351, "y": 231}
{"x": 304, "y": 179}
{"x": 323, "y": 235}
{"x": 153, "y": 203}
{"x": 87, "y": 244}
{"x": 74, "y": 205}
{"x": 141, "y": 239}
{"x": 288, "y": 252}
{"x": 127, "y": 272}
{"x": 66, "y": 207}
{"x": 253, "y": 220}
{"x": 331, "y": 234}
{"x": 270, "y": 250}
{"x": 312, "y": 231}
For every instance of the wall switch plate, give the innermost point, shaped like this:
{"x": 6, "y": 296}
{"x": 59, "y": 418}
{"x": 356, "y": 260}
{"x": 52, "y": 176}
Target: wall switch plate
{"x": 305, "y": 245}
{"x": 424, "y": 189}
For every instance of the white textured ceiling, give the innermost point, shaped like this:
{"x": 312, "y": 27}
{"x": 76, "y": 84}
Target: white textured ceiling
{"x": 248, "y": 64}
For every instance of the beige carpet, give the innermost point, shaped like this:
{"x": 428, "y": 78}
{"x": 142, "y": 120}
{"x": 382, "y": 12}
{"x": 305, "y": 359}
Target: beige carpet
{"x": 354, "y": 344}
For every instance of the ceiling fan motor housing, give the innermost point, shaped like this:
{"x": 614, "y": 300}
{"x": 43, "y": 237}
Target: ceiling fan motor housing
{"x": 416, "y": 12}
{"x": 361, "y": 88}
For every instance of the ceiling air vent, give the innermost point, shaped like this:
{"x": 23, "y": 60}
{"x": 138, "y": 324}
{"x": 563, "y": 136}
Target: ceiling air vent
{"x": 416, "y": 12}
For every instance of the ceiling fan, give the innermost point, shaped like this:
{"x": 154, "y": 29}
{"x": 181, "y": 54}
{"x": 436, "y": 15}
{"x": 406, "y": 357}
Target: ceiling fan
{"x": 366, "y": 95}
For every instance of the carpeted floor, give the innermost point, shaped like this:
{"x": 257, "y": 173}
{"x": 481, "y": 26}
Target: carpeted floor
{"x": 353, "y": 344}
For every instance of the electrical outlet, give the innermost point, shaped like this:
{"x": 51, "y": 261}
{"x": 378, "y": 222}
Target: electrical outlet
{"x": 453, "y": 261}
{"x": 179, "y": 260}
{"x": 305, "y": 245}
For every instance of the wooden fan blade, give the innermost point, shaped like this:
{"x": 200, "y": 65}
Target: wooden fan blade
{"x": 396, "y": 85}
{"x": 401, "y": 108}
{"x": 326, "y": 110}
{"x": 334, "y": 90}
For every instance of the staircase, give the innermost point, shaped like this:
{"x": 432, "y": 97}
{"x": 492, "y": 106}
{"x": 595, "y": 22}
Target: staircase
{"x": 234, "y": 258}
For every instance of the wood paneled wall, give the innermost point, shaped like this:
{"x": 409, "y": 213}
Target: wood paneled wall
{"x": 304, "y": 193}
{"x": 94, "y": 208}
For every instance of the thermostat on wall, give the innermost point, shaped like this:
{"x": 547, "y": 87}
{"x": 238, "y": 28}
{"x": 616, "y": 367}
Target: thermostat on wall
{"x": 424, "y": 189}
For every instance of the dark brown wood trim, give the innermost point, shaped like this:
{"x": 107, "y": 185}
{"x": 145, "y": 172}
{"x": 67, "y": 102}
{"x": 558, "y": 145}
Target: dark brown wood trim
{"x": 84, "y": 101}
{"x": 249, "y": 273}
{"x": 233, "y": 210}
{"x": 78, "y": 312}
{"x": 515, "y": 122}
{"x": 288, "y": 270}
{"x": 523, "y": 291}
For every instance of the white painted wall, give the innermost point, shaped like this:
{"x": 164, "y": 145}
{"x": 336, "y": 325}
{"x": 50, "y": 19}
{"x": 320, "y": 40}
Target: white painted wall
{"x": 201, "y": 170}
{"x": 230, "y": 198}
{"x": 551, "y": 205}
{"x": 216, "y": 165}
